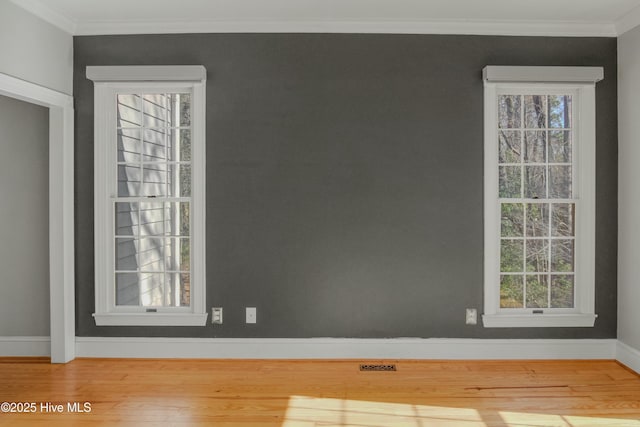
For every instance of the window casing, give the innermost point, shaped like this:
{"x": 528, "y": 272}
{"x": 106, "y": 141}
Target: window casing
{"x": 149, "y": 195}
{"x": 539, "y": 196}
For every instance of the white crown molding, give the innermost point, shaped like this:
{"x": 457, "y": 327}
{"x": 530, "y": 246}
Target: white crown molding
{"x": 42, "y": 11}
{"x": 628, "y": 21}
{"x": 464, "y": 27}
{"x": 470, "y": 27}
{"x": 345, "y": 348}
{"x": 25, "y": 346}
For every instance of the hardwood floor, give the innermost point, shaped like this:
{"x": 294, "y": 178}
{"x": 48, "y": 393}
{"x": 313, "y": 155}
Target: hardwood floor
{"x": 318, "y": 393}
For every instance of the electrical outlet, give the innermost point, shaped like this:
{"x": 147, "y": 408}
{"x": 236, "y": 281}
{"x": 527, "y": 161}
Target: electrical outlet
{"x": 216, "y": 315}
{"x": 472, "y": 316}
{"x": 251, "y": 315}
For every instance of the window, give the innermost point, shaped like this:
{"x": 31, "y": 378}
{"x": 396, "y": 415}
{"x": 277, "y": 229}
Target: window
{"x": 149, "y": 195}
{"x": 539, "y": 196}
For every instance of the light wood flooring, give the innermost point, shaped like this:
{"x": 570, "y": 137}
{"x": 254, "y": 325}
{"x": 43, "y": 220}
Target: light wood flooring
{"x": 161, "y": 392}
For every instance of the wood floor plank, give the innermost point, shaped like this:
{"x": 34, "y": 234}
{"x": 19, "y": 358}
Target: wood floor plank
{"x": 287, "y": 393}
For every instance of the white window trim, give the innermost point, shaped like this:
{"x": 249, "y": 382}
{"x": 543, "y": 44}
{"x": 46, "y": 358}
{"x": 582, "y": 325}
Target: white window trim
{"x": 107, "y": 80}
{"x": 581, "y": 80}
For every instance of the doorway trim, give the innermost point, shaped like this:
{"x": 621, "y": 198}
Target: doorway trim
{"x": 61, "y": 209}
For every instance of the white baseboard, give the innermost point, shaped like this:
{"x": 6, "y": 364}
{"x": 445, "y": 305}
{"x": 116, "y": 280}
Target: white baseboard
{"x": 345, "y": 348}
{"x": 331, "y": 348}
{"x": 25, "y": 346}
{"x": 628, "y": 356}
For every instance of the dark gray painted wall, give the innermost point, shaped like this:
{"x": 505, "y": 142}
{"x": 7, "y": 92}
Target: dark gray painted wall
{"x": 344, "y": 179}
{"x": 24, "y": 218}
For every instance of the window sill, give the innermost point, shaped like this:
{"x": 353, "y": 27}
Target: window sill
{"x": 150, "y": 319}
{"x": 538, "y": 320}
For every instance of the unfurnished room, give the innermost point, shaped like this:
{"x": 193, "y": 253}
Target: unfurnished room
{"x": 319, "y": 213}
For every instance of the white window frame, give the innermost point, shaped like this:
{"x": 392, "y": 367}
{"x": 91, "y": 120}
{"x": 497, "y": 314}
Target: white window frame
{"x": 109, "y": 80}
{"x": 580, "y": 82}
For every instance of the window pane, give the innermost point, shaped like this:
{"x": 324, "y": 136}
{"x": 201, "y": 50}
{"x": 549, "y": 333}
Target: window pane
{"x": 562, "y": 255}
{"x": 511, "y": 291}
{"x": 512, "y": 220}
{"x": 509, "y": 181}
{"x": 127, "y": 289}
{"x": 157, "y": 112}
{"x": 511, "y": 255}
{"x": 509, "y": 146}
{"x": 537, "y": 219}
{"x": 559, "y": 111}
{"x": 152, "y": 219}
{"x": 535, "y": 147}
{"x": 562, "y": 219}
{"x": 535, "y": 107}
{"x": 179, "y": 145}
{"x": 560, "y": 146}
{"x": 178, "y": 288}
{"x": 562, "y": 291}
{"x": 128, "y": 145}
{"x": 537, "y": 255}
{"x": 176, "y": 251}
{"x": 185, "y": 255}
{"x": 179, "y": 180}
{"x": 560, "y": 182}
{"x": 154, "y": 179}
{"x": 127, "y": 254}
{"x": 129, "y": 180}
{"x": 185, "y": 180}
{"x": 185, "y": 145}
{"x": 152, "y": 289}
{"x": 126, "y": 219}
{"x": 152, "y": 254}
{"x": 537, "y": 291}
{"x": 509, "y": 111}
{"x": 184, "y": 105}
{"x": 154, "y": 145}
{"x": 185, "y": 219}
{"x": 128, "y": 109}
{"x": 535, "y": 182}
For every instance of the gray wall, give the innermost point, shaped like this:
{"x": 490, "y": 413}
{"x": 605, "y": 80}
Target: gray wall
{"x": 344, "y": 179}
{"x": 24, "y": 219}
{"x": 34, "y": 50}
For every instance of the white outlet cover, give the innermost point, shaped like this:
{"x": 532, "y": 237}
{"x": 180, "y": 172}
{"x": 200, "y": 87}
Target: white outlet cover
{"x": 251, "y": 315}
{"x": 216, "y": 315}
{"x": 472, "y": 316}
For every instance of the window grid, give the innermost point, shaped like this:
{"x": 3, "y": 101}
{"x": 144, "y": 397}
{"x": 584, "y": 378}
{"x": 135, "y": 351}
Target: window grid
{"x": 547, "y": 200}
{"x": 171, "y": 177}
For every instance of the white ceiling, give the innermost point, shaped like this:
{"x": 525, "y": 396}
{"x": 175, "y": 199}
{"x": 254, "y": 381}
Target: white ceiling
{"x": 510, "y": 17}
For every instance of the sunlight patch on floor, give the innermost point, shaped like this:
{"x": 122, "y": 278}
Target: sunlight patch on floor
{"x": 305, "y": 411}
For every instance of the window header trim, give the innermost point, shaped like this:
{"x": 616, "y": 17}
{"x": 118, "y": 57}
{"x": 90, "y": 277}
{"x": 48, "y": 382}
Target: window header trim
{"x": 542, "y": 74}
{"x": 147, "y": 73}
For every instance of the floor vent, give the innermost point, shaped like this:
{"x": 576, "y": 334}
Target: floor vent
{"x": 378, "y": 367}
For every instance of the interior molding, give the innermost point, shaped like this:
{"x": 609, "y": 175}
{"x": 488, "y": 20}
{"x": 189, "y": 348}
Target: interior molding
{"x": 470, "y": 27}
{"x": 503, "y": 28}
{"x": 147, "y": 73}
{"x": 61, "y": 209}
{"x": 332, "y": 348}
{"x": 25, "y": 346}
{"x": 628, "y": 21}
{"x": 542, "y": 74}
{"x": 345, "y": 348}
{"x": 42, "y": 11}
{"x": 628, "y": 356}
